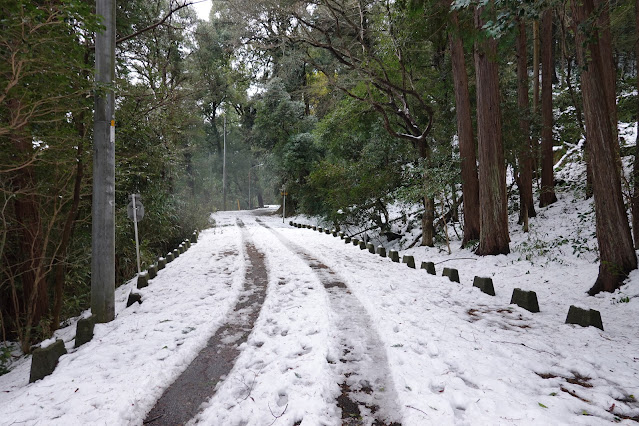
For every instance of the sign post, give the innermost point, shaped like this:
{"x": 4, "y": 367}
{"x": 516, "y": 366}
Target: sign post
{"x": 284, "y": 194}
{"x": 135, "y": 211}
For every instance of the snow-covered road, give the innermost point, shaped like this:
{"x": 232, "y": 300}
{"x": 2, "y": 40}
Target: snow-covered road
{"x": 341, "y": 333}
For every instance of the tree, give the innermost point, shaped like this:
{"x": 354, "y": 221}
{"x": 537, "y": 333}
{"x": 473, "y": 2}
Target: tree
{"x": 44, "y": 74}
{"x": 493, "y": 212}
{"x": 375, "y": 61}
{"x": 470, "y": 183}
{"x": 635, "y": 168}
{"x": 547, "y": 193}
{"x": 527, "y": 206}
{"x": 616, "y": 252}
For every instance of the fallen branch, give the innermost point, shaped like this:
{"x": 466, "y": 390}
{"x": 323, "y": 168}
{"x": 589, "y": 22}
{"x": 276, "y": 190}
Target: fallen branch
{"x": 421, "y": 411}
{"x": 523, "y": 344}
{"x": 456, "y": 258}
{"x": 276, "y": 417}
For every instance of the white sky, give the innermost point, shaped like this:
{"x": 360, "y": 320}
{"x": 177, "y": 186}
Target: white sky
{"x": 203, "y": 8}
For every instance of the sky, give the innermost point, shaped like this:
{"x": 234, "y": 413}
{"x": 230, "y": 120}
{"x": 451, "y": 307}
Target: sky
{"x": 202, "y": 8}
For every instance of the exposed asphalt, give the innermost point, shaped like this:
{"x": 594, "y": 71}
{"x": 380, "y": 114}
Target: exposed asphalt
{"x": 362, "y": 369}
{"x": 182, "y": 399}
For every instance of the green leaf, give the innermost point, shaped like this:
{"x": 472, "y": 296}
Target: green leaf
{"x": 542, "y": 405}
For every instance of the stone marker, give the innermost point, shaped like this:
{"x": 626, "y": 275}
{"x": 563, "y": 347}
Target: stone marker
{"x": 84, "y": 331}
{"x": 409, "y": 261}
{"x": 334, "y": 233}
{"x": 161, "y": 263}
{"x": 194, "y": 237}
{"x": 143, "y": 279}
{"x": 371, "y": 247}
{"x": 169, "y": 257}
{"x": 176, "y": 253}
{"x": 320, "y": 229}
{"x": 314, "y": 228}
{"x": 525, "y": 299}
{"x": 584, "y": 317}
{"x": 429, "y": 266}
{"x": 134, "y": 297}
{"x": 485, "y": 284}
{"x": 347, "y": 240}
{"x": 44, "y": 360}
{"x": 362, "y": 245}
{"x": 153, "y": 271}
{"x": 394, "y": 255}
{"x": 341, "y": 235}
{"x": 182, "y": 248}
{"x": 355, "y": 241}
{"x": 381, "y": 251}
{"x": 187, "y": 243}
{"x": 290, "y": 222}
{"x": 327, "y": 232}
{"x": 451, "y": 273}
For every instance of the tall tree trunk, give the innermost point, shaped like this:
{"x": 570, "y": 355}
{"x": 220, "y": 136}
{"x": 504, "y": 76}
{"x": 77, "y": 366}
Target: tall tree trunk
{"x": 547, "y": 194}
{"x": 428, "y": 228}
{"x": 30, "y": 259}
{"x": 527, "y": 206}
{"x": 635, "y": 171}
{"x": 616, "y": 252}
{"x": 492, "y": 168}
{"x": 535, "y": 65}
{"x": 470, "y": 182}
{"x": 609, "y": 69}
{"x": 67, "y": 232}
{"x": 534, "y": 143}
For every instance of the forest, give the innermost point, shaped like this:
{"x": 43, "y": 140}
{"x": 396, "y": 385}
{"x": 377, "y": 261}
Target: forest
{"x": 462, "y": 107}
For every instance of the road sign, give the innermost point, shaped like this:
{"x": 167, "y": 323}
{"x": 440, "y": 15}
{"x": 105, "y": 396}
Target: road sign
{"x": 138, "y": 214}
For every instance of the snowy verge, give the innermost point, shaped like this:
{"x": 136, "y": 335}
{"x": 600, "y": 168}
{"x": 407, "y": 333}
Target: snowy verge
{"x": 117, "y": 377}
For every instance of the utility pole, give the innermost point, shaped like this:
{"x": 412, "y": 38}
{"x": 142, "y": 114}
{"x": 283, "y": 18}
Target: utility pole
{"x": 224, "y": 167}
{"x": 249, "y": 187}
{"x": 103, "y": 203}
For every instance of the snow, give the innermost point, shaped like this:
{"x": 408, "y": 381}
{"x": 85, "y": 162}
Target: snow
{"x": 434, "y": 351}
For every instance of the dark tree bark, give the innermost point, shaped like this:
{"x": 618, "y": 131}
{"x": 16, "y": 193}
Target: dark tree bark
{"x": 67, "y": 232}
{"x": 547, "y": 194}
{"x": 493, "y": 212}
{"x": 428, "y": 227}
{"x": 609, "y": 69}
{"x": 534, "y": 143}
{"x": 527, "y": 206}
{"x": 635, "y": 169}
{"x": 34, "y": 304}
{"x": 616, "y": 252}
{"x": 470, "y": 182}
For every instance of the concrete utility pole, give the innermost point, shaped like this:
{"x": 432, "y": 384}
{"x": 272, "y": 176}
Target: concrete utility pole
{"x": 103, "y": 205}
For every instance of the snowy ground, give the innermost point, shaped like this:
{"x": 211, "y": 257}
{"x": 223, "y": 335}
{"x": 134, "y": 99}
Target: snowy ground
{"x": 432, "y": 351}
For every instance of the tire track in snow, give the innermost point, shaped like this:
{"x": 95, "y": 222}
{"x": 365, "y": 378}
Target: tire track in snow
{"x": 368, "y": 396}
{"x": 181, "y": 401}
